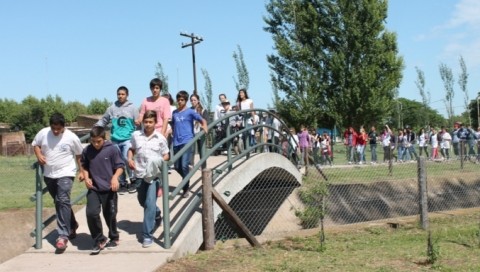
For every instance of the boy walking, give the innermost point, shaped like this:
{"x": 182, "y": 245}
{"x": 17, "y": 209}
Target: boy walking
{"x": 102, "y": 165}
{"x": 57, "y": 149}
{"x": 182, "y": 119}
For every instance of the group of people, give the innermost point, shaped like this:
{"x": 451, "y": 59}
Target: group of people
{"x": 401, "y": 146}
{"x": 137, "y": 147}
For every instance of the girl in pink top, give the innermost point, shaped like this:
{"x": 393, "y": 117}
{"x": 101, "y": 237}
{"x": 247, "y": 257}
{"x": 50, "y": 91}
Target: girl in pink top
{"x": 157, "y": 103}
{"x": 304, "y": 143}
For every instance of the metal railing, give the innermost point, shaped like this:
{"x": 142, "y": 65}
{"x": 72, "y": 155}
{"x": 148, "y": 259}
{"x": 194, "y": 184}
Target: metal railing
{"x": 173, "y": 227}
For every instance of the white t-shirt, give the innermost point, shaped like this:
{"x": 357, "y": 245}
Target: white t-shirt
{"x": 246, "y": 104}
{"x": 434, "y": 141}
{"x": 446, "y": 139}
{"x": 59, "y": 151}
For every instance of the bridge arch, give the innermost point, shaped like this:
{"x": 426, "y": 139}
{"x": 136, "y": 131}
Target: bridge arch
{"x": 250, "y": 184}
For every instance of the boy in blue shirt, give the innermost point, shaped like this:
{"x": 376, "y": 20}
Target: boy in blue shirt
{"x": 102, "y": 164}
{"x": 183, "y": 123}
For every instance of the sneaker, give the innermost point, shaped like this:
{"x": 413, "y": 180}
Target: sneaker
{"x": 98, "y": 247}
{"x": 61, "y": 243}
{"x": 147, "y": 242}
{"x": 185, "y": 194}
{"x": 123, "y": 189}
{"x": 112, "y": 244}
{"x": 73, "y": 232}
{"x": 132, "y": 188}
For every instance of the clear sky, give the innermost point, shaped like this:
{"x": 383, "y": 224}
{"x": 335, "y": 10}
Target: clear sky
{"x": 84, "y": 50}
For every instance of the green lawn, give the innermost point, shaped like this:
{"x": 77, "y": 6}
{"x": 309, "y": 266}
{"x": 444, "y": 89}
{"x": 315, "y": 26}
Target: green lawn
{"x": 376, "y": 248}
{"x": 17, "y": 184}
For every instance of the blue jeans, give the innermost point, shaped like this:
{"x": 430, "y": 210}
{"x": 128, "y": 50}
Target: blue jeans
{"x": 147, "y": 197}
{"x": 60, "y": 189}
{"x": 124, "y": 146}
{"x": 181, "y": 165}
{"x": 373, "y": 149}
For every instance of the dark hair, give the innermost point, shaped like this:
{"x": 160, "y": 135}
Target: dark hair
{"x": 97, "y": 131}
{"x": 222, "y": 94}
{"x": 57, "y": 119}
{"x": 244, "y": 91}
{"x": 156, "y": 82}
{"x": 150, "y": 114}
{"x": 169, "y": 97}
{"x": 182, "y": 94}
{"x": 122, "y": 88}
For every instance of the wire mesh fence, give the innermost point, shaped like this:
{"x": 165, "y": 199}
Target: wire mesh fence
{"x": 17, "y": 182}
{"x": 343, "y": 193}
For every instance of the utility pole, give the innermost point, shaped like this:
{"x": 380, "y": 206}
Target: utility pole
{"x": 194, "y": 40}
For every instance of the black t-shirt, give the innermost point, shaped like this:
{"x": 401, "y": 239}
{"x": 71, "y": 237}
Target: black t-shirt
{"x": 373, "y": 137}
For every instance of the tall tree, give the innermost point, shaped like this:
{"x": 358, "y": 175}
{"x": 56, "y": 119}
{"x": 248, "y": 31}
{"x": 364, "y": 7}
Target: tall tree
{"x": 206, "y": 98}
{"x": 243, "y": 80}
{"x": 424, "y": 94}
{"x": 447, "y": 78}
{"x": 462, "y": 81}
{"x": 161, "y": 75}
{"x": 98, "y": 106}
{"x": 335, "y": 63}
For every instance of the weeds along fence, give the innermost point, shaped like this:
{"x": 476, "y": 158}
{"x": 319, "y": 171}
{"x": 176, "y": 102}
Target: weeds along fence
{"x": 342, "y": 193}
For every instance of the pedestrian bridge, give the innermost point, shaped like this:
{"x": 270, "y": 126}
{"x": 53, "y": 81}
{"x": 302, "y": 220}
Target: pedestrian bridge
{"x": 258, "y": 186}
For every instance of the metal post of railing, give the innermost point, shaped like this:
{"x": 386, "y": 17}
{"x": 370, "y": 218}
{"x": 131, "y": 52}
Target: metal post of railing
{"x": 166, "y": 208}
{"x": 38, "y": 206}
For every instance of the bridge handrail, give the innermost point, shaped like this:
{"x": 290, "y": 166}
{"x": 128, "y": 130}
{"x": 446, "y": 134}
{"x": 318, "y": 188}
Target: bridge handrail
{"x": 184, "y": 214}
{"x": 205, "y": 152}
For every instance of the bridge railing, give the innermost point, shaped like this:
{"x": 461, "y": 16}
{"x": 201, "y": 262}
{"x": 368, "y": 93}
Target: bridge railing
{"x": 172, "y": 227}
{"x": 224, "y": 144}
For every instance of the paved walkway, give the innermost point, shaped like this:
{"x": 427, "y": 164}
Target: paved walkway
{"x": 129, "y": 256}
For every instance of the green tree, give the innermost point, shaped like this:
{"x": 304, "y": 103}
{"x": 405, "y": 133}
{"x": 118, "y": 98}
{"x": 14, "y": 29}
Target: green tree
{"x": 462, "y": 82}
{"x": 73, "y": 110}
{"x": 8, "y": 108}
{"x": 411, "y": 110}
{"x": 335, "y": 63}
{"x": 447, "y": 78}
{"x": 97, "y": 106}
{"x": 30, "y": 117}
{"x": 206, "y": 98}
{"x": 161, "y": 75}
{"x": 242, "y": 72}
{"x": 424, "y": 94}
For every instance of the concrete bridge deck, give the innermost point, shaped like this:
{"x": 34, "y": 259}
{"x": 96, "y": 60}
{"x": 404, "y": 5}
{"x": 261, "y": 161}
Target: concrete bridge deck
{"x": 129, "y": 256}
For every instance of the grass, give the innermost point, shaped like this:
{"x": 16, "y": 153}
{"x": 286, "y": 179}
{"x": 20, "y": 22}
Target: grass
{"x": 359, "y": 248}
{"x": 18, "y": 184}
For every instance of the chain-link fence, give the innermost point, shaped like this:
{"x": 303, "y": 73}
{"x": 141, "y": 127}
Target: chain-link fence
{"x": 18, "y": 180}
{"x": 343, "y": 193}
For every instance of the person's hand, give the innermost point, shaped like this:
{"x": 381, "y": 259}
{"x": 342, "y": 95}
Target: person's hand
{"x": 81, "y": 176}
{"x": 41, "y": 160}
{"x": 89, "y": 183}
{"x": 115, "y": 184}
{"x": 131, "y": 164}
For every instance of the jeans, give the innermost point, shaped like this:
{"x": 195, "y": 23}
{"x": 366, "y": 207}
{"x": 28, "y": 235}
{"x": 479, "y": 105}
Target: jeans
{"x": 147, "y": 197}
{"x": 423, "y": 148}
{"x": 411, "y": 150}
{"x": 351, "y": 153}
{"x": 124, "y": 147}
{"x": 60, "y": 189}
{"x": 198, "y": 148}
{"x": 181, "y": 165}
{"x": 373, "y": 149}
{"x": 108, "y": 203}
{"x": 361, "y": 153}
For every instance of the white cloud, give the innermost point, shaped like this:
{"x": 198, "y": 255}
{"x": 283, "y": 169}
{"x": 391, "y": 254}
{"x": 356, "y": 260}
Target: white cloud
{"x": 465, "y": 13}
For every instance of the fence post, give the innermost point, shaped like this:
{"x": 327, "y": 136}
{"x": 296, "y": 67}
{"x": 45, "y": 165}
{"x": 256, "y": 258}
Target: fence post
{"x": 422, "y": 192}
{"x": 38, "y": 206}
{"x": 207, "y": 210}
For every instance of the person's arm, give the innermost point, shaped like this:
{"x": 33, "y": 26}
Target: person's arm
{"x": 138, "y": 121}
{"x": 131, "y": 162}
{"x": 204, "y": 125}
{"x": 104, "y": 120}
{"x": 38, "y": 153}
{"x": 114, "y": 181}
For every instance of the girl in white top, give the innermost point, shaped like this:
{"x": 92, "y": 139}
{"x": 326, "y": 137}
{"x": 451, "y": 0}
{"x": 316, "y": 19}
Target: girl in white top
{"x": 422, "y": 142}
{"x": 446, "y": 139}
{"x": 434, "y": 141}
